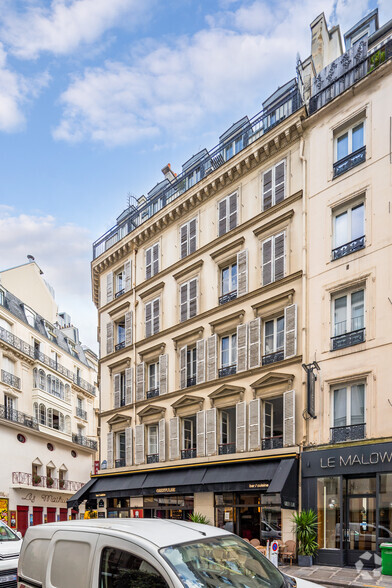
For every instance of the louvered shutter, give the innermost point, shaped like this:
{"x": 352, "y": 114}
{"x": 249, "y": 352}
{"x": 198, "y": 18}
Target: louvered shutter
{"x": 129, "y": 386}
{"x": 267, "y": 189}
{"x": 155, "y": 316}
{"x": 290, "y": 331}
{"x": 109, "y": 337}
{"x": 184, "y": 240}
{"x": 289, "y": 418}
{"x": 155, "y": 259}
{"x": 211, "y": 431}
{"x": 266, "y": 255}
{"x": 117, "y": 386}
{"x": 184, "y": 302}
{"x": 140, "y": 386}
{"x": 174, "y": 434}
{"x": 222, "y": 217}
{"x": 254, "y": 424}
{"x": 128, "y": 275}
{"x": 148, "y": 319}
{"x": 242, "y": 348}
{"x": 233, "y": 213}
{"x": 200, "y": 361}
{"x": 201, "y": 433}
{"x": 139, "y": 444}
{"x": 240, "y": 418}
{"x": 163, "y": 361}
{"x": 242, "y": 268}
{"x": 254, "y": 343}
{"x": 109, "y": 287}
{"x": 279, "y": 256}
{"x": 148, "y": 263}
{"x": 128, "y": 328}
{"x": 183, "y": 372}
{"x": 128, "y": 446}
{"x": 162, "y": 439}
{"x": 109, "y": 449}
{"x": 192, "y": 298}
{"x": 211, "y": 357}
{"x": 280, "y": 182}
{"x": 192, "y": 235}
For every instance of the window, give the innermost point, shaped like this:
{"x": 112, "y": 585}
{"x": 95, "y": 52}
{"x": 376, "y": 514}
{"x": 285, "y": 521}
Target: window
{"x": 9, "y": 406}
{"x": 348, "y": 319}
{"x": 274, "y": 185}
{"x": 188, "y": 300}
{"x": 191, "y": 366}
{"x": 348, "y": 412}
{"x": 188, "y": 437}
{"x": 193, "y": 177}
{"x": 152, "y": 441}
{"x": 152, "y": 317}
{"x": 121, "y": 568}
{"x": 5, "y": 325}
{"x": 274, "y": 338}
{"x": 273, "y": 423}
{"x": 233, "y": 148}
{"x": 50, "y": 332}
{"x": 120, "y": 449}
{"x": 153, "y": 380}
{"x": 227, "y": 214}
{"x": 349, "y": 148}
{"x": 273, "y": 258}
{"x": 188, "y": 238}
{"x": 228, "y": 283}
{"x": 348, "y": 230}
{"x": 228, "y": 355}
{"x": 119, "y": 282}
{"x": 30, "y": 316}
{"x": 227, "y": 431}
{"x": 120, "y": 334}
{"x": 2, "y": 297}
{"x": 152, "y": 261}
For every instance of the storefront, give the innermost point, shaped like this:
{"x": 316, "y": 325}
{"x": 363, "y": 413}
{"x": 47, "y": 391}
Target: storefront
{"x": 350, "y": 488}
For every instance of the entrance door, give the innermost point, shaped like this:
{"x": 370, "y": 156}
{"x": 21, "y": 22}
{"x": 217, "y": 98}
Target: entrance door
{"x": 360, "y": 524}
{"x": 37, "y": 515}
{"x": 23, "y": 518}
{"x": 51, "y": 515}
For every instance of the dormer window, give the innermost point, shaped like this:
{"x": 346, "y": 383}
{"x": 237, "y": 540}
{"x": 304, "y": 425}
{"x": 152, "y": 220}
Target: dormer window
{"x": 50, "y": 332}
{"x": 30, "y": 316}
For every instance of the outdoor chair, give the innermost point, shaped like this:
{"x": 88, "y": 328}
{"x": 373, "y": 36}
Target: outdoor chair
{"x": 289, "y": 550}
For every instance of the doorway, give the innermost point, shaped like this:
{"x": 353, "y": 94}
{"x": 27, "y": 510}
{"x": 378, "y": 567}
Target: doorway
{"x": 360, "y": 521}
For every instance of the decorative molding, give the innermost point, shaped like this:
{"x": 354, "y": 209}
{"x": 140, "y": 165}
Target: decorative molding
{"x": 229, "y": 247}
{"x": 235, "y": 317}
{"x": 189, "y": 269}
{"x": 280, "y": 220}
{"x": 186, "y": 401}
{"x": 153, "y": 290}
{"x": 119, "y": 309}
{"x": 151, "y": 411}
{"x": 284, "y": 297}
{"x": 190, "y": 336}
{"x": 225, "y": 391}
{"x": 151, "y": 352}
{"x": 118, "y": 419}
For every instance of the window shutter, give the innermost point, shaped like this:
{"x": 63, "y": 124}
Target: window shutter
{"x": 266, "y": 255}
{"x": 290, "y": 331}
{"x": 240, "y": 436}
{"x": 211, "y": 357}
{"x": 128, "y": 328}
{"x": 148, "y": 263}
{"x": 267, "y": 189}
{"x": 242, "y": 279}
{"x": 184, "y": 302}
{"x": 155, "y": 318}
{"x": 162, "y": 439}
{"x": 139, "y": 444}
{"x": 254, "y": 424}
{"x": 184, "y": 240}
{"x": 128, "y": 275}
{"x": 254, "y": 343}
{"x": 49, "y": 417}
{"x": 289, "y": 418}
{"x": 193, "y": 298}
{"x": 109, "y": 449}
{"x": 233, "y": 211}
{"x": 128, "y": 446}
{"x": 211, "y": 431}
{"x": 200, "y": 361}
{"x": 148, "y": 321}
{"x": 109, "y": 337}
{"x": 116, "y": 395}
{"x": 174, "y": 432}
{"x": 242, "y": 348}
{"x": 128, "y": 385}
{"x": 109, "y": 287}
{"x": 201, "y": 433}
{"x": 163, "y": 361}
{"x": 279, "y": 256}
{"x": 280, "y": 182}
{"x": 192, "y": 235}
{"x": 222, "y": 217}
{"x": 140, "y": 372}
{"x": 183, "y": 374}
{"x": 155, "y": 259}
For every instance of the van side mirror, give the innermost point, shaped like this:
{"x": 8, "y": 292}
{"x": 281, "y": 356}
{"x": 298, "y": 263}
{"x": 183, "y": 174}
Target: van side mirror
{"x": 19, "y": 534}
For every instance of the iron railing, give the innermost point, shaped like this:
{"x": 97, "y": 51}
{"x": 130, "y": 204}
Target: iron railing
{"x": 86, "y": 386}
{"x": 119, "y": 293}
{"x": 81, "y": 413}
{"x": 153, "y": 393}
{"x": 119, "y": 463}
{"x": 259, "y": 125}
{"x": 272, "y": 357}
{"x": 227, "y": 297}
{"x": 348, "y": 433}
{"x": 226, "y": 448}
{"x": 120, "y": 345}
{"x": 348, "y": 248}
{"x": 228, "y": 370}
{"x": 10, "y": 379}
{"x": 348, "y": 339}
{"x": 153, "y": 458}
{"x": 351, "y": 160}
{"x": 15, "y": 416}
{"x": 188, "y": 453}
{"x": 191, "y": 381}
{"x": 26, "y": 479}
{"x": 272, "y": 442}
{"x": 85, "y": 441}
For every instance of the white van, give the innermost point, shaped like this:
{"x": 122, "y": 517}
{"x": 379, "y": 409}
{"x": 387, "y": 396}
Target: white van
{"x": 142, "y": 553}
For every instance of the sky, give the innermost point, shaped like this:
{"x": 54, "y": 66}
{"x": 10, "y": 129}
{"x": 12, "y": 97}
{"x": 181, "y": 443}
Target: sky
{"x": 96, "y": 96}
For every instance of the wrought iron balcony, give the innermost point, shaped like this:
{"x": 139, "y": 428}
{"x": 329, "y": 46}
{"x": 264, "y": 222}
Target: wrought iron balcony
{"x": 84, "y": 441}
{"x": 153, "y": 393}
{"x": 352, "y": 160}
{"x": 120, "y": 345}
{"x": 188, "y": 453}
{"x": 153, "y": 458}
{"x": 272, "y": 442}
{"x": 26, "y": 479}
{"x": 10, "y": 380}
{"x": 86, "y": 386}
{"x": 191, "y": 381}
{"x": 348, "y": 248}
{"x": 228, "y": 370}
{"x": 119, "y": 293}
{"x": 272, "y": 357}
{"x": 17, "y": 343}
{"x": 348, "y": 433}
{"x": 16, "y": 416}
{"x": 228, "y": 297}
{"x": 226, "y": 448}
{"x": 119, "y": 463}
{"x": 347, "y": 339}
{"x": 81, "y": 413}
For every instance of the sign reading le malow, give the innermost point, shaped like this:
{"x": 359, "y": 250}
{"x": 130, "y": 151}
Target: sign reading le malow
{"x": 348, "y": 460}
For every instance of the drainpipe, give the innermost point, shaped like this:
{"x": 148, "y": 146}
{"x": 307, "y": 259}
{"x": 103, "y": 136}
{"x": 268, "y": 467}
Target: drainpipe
{"x": 134, "y": 332}
{"x": 304, "y": 338}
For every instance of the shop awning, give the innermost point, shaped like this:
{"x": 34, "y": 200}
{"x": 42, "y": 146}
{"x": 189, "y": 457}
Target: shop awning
{"x": 185, "y": 479}
{"x": 81, "y": 494}
{"x": 285, "y": 483}
{"x": 119, "y": 485}
{"x": 237, "y": 477}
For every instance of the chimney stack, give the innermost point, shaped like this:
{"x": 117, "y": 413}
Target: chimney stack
{"x": 168, "y": 173}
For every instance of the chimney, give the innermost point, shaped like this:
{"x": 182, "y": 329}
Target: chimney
{"x": 168, "y": 173}
{"x": 30, "y": 258}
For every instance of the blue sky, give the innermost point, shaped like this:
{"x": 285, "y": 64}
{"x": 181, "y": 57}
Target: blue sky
{"x": 96, "y": 96}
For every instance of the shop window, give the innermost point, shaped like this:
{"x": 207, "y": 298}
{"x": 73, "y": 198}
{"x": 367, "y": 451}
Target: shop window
{"x": 188, "y": 449}
{"x": 152, "y": 444}
{"x": 328, "y": 512}
{"x": 385, "y": 509}
{"x": 273, "y": 423}
{"x": 227, "y": 431}
{"x": 273, "y": 340}
{"x": 177, "y": 507}
{"x": 348, "y": 229}
{"x": 350, "y": 148}
{"x": 348, "y": 413}
{"x": 348, "y": 319}
{"x": 228, "y": 355}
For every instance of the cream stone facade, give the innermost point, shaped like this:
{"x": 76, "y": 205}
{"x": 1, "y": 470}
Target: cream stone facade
{"x": 48, "y": 396}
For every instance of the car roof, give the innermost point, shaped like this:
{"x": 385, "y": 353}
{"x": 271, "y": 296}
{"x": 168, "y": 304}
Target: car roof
{"x": 160, "y": 532}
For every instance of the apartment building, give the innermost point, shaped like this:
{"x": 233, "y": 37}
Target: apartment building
{"x": 48, "y": 398}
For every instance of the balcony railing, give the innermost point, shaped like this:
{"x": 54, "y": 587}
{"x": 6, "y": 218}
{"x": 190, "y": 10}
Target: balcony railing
{"x": 119, "y": 463}
{"x": 85, "y": 441}
{"x": 226, "y": 448}
{"x": 82, "y": 414}
{"x": 228, "y": 370}
{"x": 84, "y": 385}
{"x": 347, "y": 339}
{"x": 119, "y": 293}
{"x": 153, "y": 458}
{"x": 191, "y": 381}
{"x": 188, "y": 453}
{"x": 120, "y": 345}
{"x": 272, "y": 357}
{"x": 348, "y": 248}
{"x": 25, "y": 479}
{"x": 352, "y": 160}
{"x": 272, "y": 442}
{"x": 153, "y": 393}
{"x": 228, "y": 297}
{"x": 348, "y": 433}
{"x": 259, "y": 125}
{"x": 16, "y": 416}
{"x": 10, "y": 380}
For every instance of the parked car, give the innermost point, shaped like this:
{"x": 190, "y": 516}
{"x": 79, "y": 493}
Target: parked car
{"x": 145, "y": 553}
{"x": 10, "y": 545}
{"x": 268, "y": 532}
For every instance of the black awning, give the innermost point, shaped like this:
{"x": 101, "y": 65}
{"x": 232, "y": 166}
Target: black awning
{"x": 236, "y": 477}
{"x": 178, "y": 480}
{"x": 130, "y": 485}
{"x": 285, "y": 483}
{"x": 81, "y": 494}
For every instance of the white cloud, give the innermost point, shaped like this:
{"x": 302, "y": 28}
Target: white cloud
{"x": 63, "y": 252}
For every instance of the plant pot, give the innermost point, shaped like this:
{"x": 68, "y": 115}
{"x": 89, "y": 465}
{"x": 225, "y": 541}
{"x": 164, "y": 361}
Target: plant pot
{"x": 305, "y": 561}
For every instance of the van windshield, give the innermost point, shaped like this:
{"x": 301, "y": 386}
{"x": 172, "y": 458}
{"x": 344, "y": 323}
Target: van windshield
{"x": 222, "y": 561}
{"x": 6, "y": 534}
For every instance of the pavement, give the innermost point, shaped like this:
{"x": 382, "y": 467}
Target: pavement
{"x": 333, "y": 576}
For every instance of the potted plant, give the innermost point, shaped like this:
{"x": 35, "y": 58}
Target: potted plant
{"x": 61, "y": 483}
{"x": 36, "y": 480}
{"x": 306, "y": 531}
{"x": 197, "y": 517}
{"x": 49, "y": 482}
